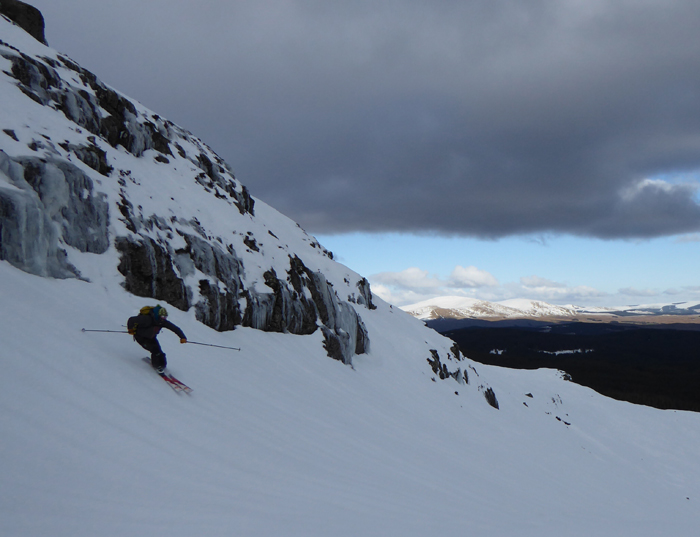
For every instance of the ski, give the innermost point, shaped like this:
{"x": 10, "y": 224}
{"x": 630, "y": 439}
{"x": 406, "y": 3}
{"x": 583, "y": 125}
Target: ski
{"x": 174, "y": 383}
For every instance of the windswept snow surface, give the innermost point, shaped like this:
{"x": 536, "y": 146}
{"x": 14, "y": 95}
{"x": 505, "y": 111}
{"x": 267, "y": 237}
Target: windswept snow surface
{"x": 278, "y": 439}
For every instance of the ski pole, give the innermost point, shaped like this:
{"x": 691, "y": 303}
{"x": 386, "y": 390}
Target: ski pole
{"x": 110, "y": 331}
{"x": 210, "y": 345}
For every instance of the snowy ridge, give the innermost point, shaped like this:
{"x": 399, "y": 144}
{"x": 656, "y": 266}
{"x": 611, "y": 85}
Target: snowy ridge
{"x": 408, "y": 438}
{"x": 456, "y": 307}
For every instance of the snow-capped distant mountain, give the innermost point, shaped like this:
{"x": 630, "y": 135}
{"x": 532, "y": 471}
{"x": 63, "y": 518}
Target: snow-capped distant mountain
{"x": 455, "y": 307}
{"x": 105, "y": 207}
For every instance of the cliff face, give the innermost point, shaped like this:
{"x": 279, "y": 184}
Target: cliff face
{"x": 84, "y": 170}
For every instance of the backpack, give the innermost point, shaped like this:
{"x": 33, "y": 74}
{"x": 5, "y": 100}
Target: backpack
{"x": 133, "y": 322}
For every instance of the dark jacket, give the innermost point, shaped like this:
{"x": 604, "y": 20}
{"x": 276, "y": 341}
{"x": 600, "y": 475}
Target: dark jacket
{"x": 147, "y": 326}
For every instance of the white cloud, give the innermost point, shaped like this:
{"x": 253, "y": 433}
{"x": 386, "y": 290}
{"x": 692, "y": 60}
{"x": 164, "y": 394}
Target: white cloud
{"x": 536, "y": 288}
{"x": 411, "y": 278}
{"x": 471, "y": 277}
{"x": 401, "y": 297}
{"x": 536, "y": 281}
{"x": 415, "y": 285}
{"x": 673, "y": 292}
{"x": 631, "y": 291}
{"x": 681, "y": 186}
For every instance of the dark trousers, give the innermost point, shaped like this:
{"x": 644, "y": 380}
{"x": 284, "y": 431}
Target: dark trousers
{"x": 152, "y": 346}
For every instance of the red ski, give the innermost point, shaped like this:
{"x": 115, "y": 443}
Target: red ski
{"x": 174, "y": 383}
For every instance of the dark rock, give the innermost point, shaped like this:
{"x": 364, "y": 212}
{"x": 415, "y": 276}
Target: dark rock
{"x": 332, "y": 345}
{"x": 37, "y": 79}
{"x": 159, "y": 142}
{"x": 251, "y": 243}
{"x": 217, "y": 310}
{"x": 365, "y": 293}
{"x": 180, "y": 150}
{"x": 26, "y": 17}
{"x": 361, "y": 338}
{"x": 219, "y": 307}
{"x": 126, "y": 208}
{"x": 435, "y": 363}
{"x": 290, "y": 311}
{"x": 148, "y": 272}
{"x": 491, "y": 398}
{"x": 116, "y": 133}
{"x": 244, "y": 202}
{"x": 92, "y": 156}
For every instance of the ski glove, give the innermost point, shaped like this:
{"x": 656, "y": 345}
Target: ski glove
{"x": 183, "y": 340}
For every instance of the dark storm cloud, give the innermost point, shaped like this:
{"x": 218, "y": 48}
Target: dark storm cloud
{"x": 483, "y": 118}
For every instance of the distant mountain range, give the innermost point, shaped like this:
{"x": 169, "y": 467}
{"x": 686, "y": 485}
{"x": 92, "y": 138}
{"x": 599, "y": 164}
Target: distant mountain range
{"x": 458, "y": 307}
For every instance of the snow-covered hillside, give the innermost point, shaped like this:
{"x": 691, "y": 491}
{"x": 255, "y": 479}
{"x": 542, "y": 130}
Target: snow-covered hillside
{"x": 278, "y": 439}
{"x": 105, "y": 207}
{"x": 459, "y": 307}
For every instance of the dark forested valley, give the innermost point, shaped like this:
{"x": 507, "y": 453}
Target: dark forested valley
{"x": 653, "y": 365}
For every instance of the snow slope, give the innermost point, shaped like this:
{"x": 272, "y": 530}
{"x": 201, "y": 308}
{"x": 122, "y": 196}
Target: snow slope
{"x": 279, "y": 439}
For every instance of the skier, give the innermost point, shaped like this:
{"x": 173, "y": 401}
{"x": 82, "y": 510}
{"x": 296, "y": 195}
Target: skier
{"x": 145, "y": 328}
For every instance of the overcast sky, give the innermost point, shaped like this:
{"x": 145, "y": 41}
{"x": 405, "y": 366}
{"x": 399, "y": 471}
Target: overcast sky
{"x": 483, "y": 119}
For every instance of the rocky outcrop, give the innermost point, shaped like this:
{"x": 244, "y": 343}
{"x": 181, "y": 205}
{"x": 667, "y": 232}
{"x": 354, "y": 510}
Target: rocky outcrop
{"x": 490, "y": 397}
{"x": 148, "y": 271}
{"x": 300, "y": 303}
{"x": 25, "y": 16}
{"x": 442, "y": 370}
{"x": 57, "y": 194}
{"x": 114, "y": 118}
{"x": 364, "y": 297}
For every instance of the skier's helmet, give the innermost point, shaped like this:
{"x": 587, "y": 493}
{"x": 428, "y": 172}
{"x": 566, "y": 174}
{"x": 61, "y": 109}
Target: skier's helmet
{"x": 160, "y": 312}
